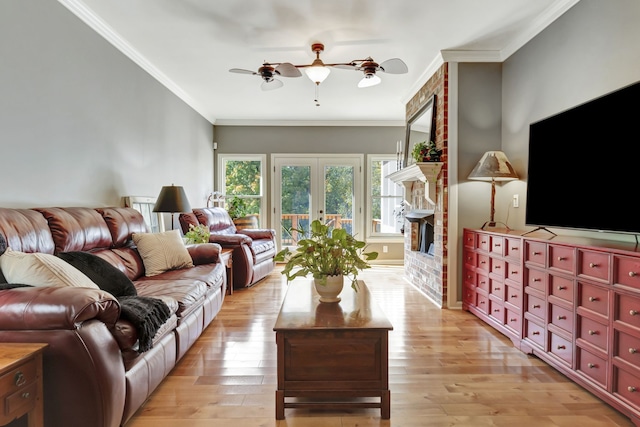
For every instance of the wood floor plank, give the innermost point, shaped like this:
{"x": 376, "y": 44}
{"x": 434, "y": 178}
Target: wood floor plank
{"x": 446, "y": 368}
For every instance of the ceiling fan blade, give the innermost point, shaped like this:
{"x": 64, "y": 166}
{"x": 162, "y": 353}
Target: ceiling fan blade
{"x": 394, "y": 66}
{"x": 273, "y": 84}
{"x": 287, "y": 69}
{"x": 241, "y": 71}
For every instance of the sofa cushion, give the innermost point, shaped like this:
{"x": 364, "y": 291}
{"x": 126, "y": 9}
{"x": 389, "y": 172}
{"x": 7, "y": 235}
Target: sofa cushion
{"x": 122, "y": 223}
{"x": 26, "y": 230}
{"x": 76, "y": 229}
{"x": 41, "y": 270}
{"x": 188, "y": 293}
{"x": 101, "y": 272}
{"x": 162, "y": 251}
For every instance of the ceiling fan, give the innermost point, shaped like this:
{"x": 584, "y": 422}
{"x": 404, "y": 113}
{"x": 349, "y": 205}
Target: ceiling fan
{"x": 318, "y": 71}
{"x": 269, "y": 71}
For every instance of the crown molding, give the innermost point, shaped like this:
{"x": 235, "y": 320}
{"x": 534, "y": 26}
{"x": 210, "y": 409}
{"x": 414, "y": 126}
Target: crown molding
{"x": 89, "y": 17}
{"x": 363, "y": 123}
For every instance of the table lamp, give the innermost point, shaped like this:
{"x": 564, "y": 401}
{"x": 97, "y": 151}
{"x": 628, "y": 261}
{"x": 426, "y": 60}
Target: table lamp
{"x": 172, "y": 199}
{"x": 493, "y": 166}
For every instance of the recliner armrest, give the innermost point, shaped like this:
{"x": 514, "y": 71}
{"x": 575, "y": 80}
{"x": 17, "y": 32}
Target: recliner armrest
{"x": 259, "y": 233}
{"x": 204, "y": 253}
{"x": 228, "y": 240}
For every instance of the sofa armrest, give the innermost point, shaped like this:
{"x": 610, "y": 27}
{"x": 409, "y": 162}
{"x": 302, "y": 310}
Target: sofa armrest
{"x": 259, "y": 233}
{"x": 230, "y": 240}
{"x": 34, "y": 308}
{"x": 204, "y": 253}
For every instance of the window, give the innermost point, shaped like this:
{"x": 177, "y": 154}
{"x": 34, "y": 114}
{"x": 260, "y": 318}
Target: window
{"x": 385, "y": 198}
{"x": 243, "y": 176}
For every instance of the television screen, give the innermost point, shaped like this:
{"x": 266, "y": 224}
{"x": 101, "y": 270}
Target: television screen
{"x": 584, "y": 165}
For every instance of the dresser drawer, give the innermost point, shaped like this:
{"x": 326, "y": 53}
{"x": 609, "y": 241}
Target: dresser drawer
{"x": 536, "y": 306}
{"x": 497, "y": 267}
{"x": 626, "y": 271}
{"x": 512, "y": 248}
{"x": 483, "y": 242}
{"x": 513, "y": 320}
{"x": 513, "y": 271}
{"x": 627, "y": 347}
{"x": 496, "y": 310}
{"x": 497, "y": 245}
{"x": 469, "y": 258}
{"x": 561, "y": 348}
{"x": 482, "y": 282}
{"x": 561, "y": 317}
{"x": 482, "y": 303}
{"x": 562, "y": 258}
{"x": 468, "y": 239}
{"x": 536, "y": 253}
{"x": 594, "y": 265}
{"x": 513, "y": 295}
{"x": 535, "y": 333}
{"x": 21, "y": 401}
{"x": 626, "y": 385}
{"x": 561, "y": 288}
{"x": 536, "y": 279}
{"x": 627, "y": 310}
{"x": 593, "y": 298}
{"x": 496, "y": 289}
{"x": 483, "y": 262}
{"x": 469, "y": 294}
{"x": 592, "y": 366}
{"x": 594, "y": 333}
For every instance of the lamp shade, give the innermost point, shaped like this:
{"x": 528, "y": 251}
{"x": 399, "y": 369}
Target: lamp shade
{"x": 172, "y": 199}
{"x": 493, "y": 166}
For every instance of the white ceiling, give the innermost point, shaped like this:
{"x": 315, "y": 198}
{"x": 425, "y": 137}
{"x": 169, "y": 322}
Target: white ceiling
{"x": 190, "y": 45}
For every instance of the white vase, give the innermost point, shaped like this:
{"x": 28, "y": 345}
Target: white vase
{"x": 330, "y": 290}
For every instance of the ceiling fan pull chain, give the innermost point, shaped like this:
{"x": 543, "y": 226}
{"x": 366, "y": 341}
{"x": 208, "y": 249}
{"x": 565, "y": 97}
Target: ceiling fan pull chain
{"x": 317, "y": 98}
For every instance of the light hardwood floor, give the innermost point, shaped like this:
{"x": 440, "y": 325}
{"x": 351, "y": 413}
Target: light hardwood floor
{"x": 447, "y": 368}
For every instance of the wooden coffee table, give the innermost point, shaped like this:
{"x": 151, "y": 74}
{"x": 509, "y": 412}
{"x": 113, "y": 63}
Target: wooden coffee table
{"x": 331, "y": 355}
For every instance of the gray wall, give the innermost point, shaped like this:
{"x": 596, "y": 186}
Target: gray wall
{"x": 81, "y": 124}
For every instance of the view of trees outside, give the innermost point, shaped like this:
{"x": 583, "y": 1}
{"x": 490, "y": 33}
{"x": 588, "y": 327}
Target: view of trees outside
{"x": 243, "y": 179}
{"x": 386, "y": 197}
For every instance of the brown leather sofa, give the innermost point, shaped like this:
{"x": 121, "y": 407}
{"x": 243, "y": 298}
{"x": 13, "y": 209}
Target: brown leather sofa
{"x": 254, "y": 250}
{"x": 93, "y": 374}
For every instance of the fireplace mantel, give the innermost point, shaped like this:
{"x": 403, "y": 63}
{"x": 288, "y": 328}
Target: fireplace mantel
{"x": 426, "y": 172}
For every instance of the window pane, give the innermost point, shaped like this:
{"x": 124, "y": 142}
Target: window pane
{"x": 243, "y": 177}
{"x": 386, "y": 198}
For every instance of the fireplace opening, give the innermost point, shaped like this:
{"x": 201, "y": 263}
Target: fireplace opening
{"x": 423, "y": 236}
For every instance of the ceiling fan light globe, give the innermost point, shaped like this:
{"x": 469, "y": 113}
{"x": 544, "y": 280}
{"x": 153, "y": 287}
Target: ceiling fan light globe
{"x": 369, "y": 80}
{"x": 317, "y": 74}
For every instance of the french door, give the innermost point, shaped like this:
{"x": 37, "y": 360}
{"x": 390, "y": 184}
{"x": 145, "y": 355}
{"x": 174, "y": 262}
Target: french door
{"x": 308, "y": 187}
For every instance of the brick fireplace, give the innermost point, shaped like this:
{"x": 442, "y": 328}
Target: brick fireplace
{"x": 426, "y": 189}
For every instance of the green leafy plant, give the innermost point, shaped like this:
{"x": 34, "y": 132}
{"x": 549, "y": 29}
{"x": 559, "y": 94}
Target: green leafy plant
{"x": 237, "y": 207}
{"x": 197, "y": 234}
{"x": 426, "y": 152}
{"x": 325, "y": 253}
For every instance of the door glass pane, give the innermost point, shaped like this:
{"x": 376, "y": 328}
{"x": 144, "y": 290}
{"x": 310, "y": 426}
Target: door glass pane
{"x": 338, "y": 196}
{"x": 295, "y": 202}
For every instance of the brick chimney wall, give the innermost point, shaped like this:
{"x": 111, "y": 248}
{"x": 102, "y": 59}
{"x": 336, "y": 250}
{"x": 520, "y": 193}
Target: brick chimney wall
{"x": 429, "y": 273}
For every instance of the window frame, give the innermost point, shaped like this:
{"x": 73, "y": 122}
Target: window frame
{"x": 222, "y": 181}
{"x": 371, "y": 235}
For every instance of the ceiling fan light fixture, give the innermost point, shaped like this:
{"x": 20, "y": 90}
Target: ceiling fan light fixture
{"x": 369, "y": 80}
{"x": 317, "y": 73}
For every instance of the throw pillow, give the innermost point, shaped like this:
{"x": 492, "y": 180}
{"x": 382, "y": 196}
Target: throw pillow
{"x": 162, "y": 251}
{"x": 38, "y": 269}
{"x": 108, "y": 277}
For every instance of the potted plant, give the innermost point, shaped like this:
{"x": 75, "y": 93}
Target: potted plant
{"x": 197, "y": 234}
{"x": 240, "y": 212}
{"x": 328, "y": 255}
{"x": 426, "y": 152}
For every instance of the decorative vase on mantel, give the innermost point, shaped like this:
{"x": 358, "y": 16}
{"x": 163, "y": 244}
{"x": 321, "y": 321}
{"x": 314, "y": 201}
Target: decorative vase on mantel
{"x": 330, "y": 288}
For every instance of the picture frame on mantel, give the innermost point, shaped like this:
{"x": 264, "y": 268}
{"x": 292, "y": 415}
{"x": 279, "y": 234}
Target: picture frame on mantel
{"x": 420, "y": 127}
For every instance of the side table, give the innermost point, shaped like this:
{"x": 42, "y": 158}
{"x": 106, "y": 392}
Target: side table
{"x": 227, "y": 260}
{"x": 21, "y": 382}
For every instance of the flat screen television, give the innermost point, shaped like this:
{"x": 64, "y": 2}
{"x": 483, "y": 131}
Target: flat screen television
{"x": 584, "y": 166}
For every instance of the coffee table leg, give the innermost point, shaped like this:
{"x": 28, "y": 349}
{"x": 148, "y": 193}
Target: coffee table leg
{"x": 279, "y": 405}
{"x": 385, "y": 405}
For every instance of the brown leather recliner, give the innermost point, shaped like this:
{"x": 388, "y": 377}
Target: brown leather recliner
{"x": 253, "y": 249}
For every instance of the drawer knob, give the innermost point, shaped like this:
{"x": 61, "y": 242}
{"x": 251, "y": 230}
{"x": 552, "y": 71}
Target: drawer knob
{"x": 535, "y": 333}
{"x": 593, "y": 299}
{"x": 536, "y": 306}
{"x": 496, "y": 289}
{"x": 497, "y": 267}
{"x": 562, "y": 317}
{"x": 482, "y": 282}
{"x": 482, "y": 302}
{"x": 513, "y": 320}
{"x": 591, "y": 365}
{"x": 561, "y": 347}
{"x": 633, "y": 350}
{"x": 562, "y": 258}
{"x": 536, "y": 279}
{"x": 593, "y": 265}
{"x": 514, "y": 272}
{"x": 515, "y": 248}
{"x": 19, "y": 379}
{"x": 497, "y": 245}
{"x": 632, "y": 274}
{"x": 632, "y": 389}
{"x": 25, "y": 395}
{"x": 536, "y": 253}
{"x": 496, "y": 310}
{"x": 633, "y": 312}
{"x": 593, "y": 332}
{"x": 562, "y": 288}
{"x": 514, "y": 296}
{"x": 483, "y": 262}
